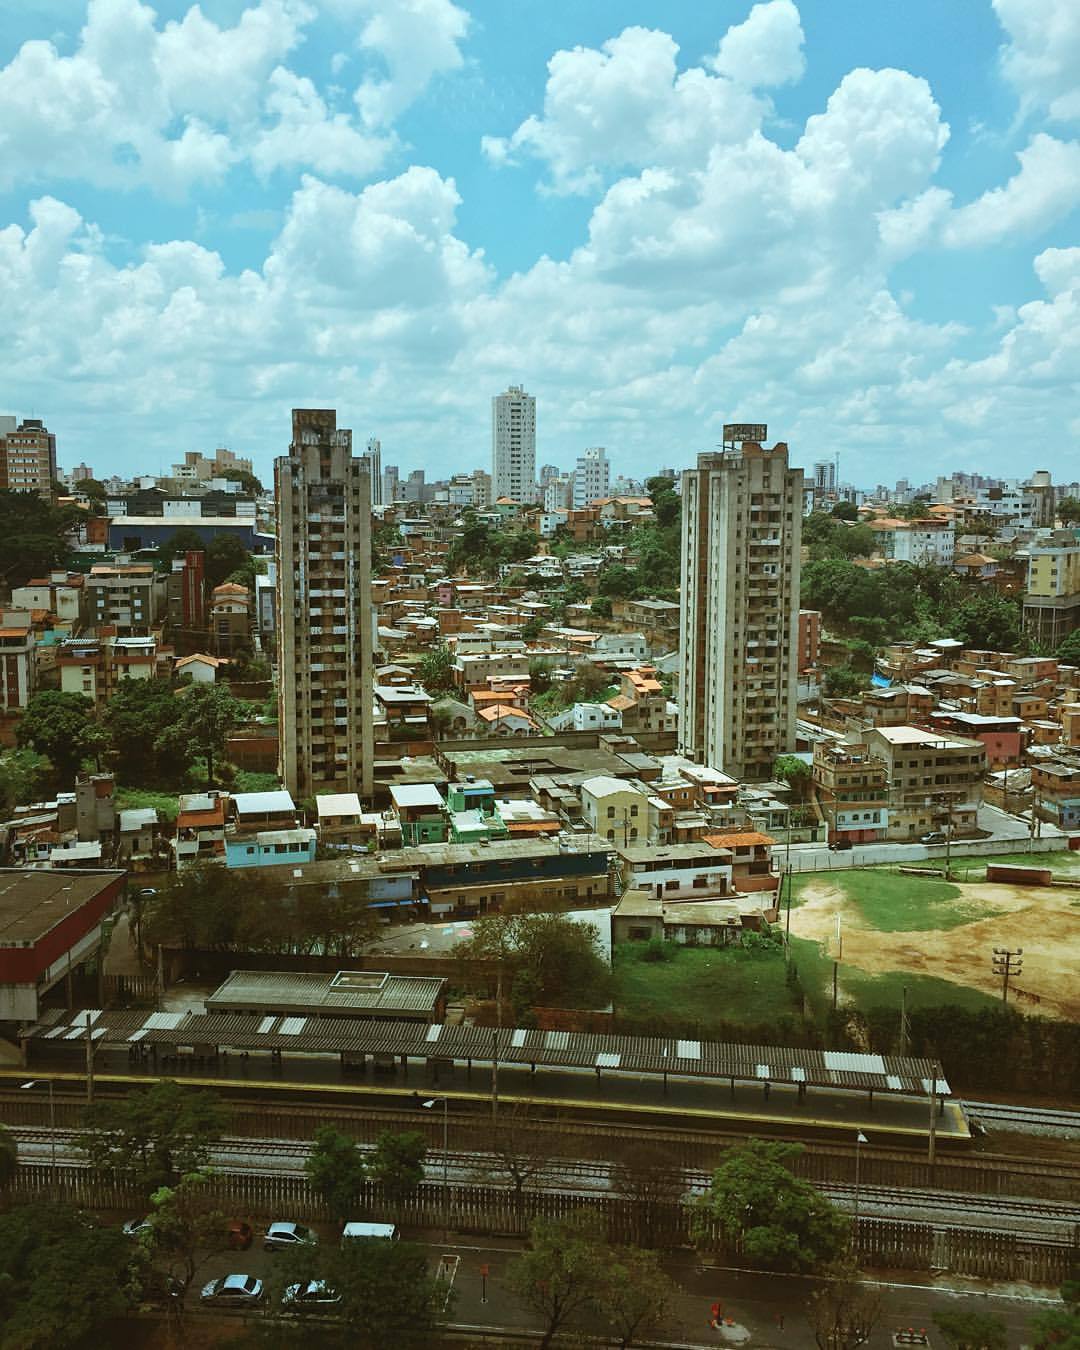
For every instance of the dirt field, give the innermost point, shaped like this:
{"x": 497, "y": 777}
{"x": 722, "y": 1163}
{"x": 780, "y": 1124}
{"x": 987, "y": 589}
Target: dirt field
{"x": 1044, "y": 921}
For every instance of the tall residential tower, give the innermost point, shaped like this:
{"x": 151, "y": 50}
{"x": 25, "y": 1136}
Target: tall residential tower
{"x": 323, "y": 501}
{"x": 739, "y": 624}
{"x": 513, "y": 445}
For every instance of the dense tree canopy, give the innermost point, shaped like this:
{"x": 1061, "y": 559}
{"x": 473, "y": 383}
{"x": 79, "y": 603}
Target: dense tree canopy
{"x": 209, "y": 907}
{"x": 33, "y": 535}
{"x": 905, "y": 601}
{"x": 482, "y": 549}
{"x": 771, "y": 1217}
{"x": 153, "y": 1135}
{"x": 555, "y": 961}
{"x": 63, "y": 1278}
{"x": 62, "y": 727}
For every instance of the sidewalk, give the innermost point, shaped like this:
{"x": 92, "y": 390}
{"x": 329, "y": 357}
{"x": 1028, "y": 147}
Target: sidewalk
{"x": 756, "y": 1309}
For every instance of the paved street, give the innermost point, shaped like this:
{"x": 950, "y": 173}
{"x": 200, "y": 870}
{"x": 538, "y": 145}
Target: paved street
{"x": 763, "y": 1310}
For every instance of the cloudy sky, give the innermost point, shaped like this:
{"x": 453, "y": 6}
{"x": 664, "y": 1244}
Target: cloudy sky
{"x": 853, "y": 219}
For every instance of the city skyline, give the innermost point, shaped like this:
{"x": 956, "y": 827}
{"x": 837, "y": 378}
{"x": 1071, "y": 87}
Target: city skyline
{"x": 402, "y": 208}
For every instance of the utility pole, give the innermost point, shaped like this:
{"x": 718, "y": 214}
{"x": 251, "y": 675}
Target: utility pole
{"x": 1007, "y": 963}
{"x": 932, "y": 1139}
{"x": 89, "y": 1062}
{"x": 903, "y": 1022}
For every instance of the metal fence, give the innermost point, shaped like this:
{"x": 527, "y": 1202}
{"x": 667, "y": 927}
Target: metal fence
{"x": 490, "y": 1210}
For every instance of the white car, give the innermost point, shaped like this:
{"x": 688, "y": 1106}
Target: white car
{"x": 284, "y": 1234}
{"x": 312, "y": 1294}
{"x": 134, "y": 1227}
{"x": 233, "y": 1291}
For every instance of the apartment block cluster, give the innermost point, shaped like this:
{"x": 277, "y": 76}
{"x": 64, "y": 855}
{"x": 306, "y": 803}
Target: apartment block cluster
{"x": 945, "y": 729}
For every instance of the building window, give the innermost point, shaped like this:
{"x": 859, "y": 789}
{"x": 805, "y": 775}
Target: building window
{"x": 611, "y": 813}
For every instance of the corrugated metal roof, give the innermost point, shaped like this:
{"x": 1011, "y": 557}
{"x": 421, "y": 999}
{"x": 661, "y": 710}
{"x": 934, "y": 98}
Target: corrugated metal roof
{"x": 584, "y": 1050}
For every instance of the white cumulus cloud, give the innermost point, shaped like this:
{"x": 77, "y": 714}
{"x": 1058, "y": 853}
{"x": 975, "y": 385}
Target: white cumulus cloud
{"x": 766, "y": 50}
{"x": 1041, "y": 58}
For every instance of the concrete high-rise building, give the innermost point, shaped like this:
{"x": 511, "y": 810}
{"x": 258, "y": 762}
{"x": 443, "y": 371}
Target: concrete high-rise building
{"x": 481, "y": 489}
{"x": 415, "y": 487}
{"x": 739, "y": 618}
{"x": 81, "y": 473}
{"x": 825, "y": 477}
{"x": 513, "y": 445}
{"x": 592, "y": 477}
{"x": 391, "y": 485}
{"x": 548, "y": 473}
{"x": 322, "y": 497}
{"x": 373, "y": 455}
{"x": 27, "y": 457}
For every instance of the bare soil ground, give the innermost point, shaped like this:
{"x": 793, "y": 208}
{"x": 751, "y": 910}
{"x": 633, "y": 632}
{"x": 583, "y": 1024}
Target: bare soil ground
{"x": 1043, "y": 920}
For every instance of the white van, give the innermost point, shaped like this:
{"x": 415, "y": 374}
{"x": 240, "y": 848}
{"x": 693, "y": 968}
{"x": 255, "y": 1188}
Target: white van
{"x": 388, "y": 1232}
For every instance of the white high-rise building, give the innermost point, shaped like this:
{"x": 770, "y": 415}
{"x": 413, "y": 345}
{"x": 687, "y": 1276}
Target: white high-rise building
{"x": 513, "y": 445}
{"x": 374, "y": 463}
{"x": 592, "y": 477}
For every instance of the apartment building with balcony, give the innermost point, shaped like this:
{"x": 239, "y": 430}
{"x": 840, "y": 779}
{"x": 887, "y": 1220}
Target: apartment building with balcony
{"x": 324, "y": 612}
{"x": 741, "y": 535}
{"x": 935, "y": 781}
{"x": 852, "y": 791}
{"x": 694, "y": 871}
{"x": 129, "y": 596}
{"x": 200, "y": 828}
{"x": 1052, "y": 599}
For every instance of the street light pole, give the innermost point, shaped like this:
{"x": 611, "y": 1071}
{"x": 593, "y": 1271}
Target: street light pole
{"x": 445, "y": 1162}
{"x": 860, "y": 1139}
{"x": 52, "y": 1134}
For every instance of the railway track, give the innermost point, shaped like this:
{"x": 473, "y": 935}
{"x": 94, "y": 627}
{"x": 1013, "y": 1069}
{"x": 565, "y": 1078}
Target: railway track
{"x": 243, "y": 1155}
{"x": 1024, "y": 1119}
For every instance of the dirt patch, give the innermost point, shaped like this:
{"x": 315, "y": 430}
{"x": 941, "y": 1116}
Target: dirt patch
{"x": 1042, "y": 920}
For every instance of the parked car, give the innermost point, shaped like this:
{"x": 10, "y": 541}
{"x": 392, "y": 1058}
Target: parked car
{"x": 933, "y": 837}
{"x": 238, "y": 1235}
{"x": 233, "y": 1291}
{"x": 285, "y": 1234}
{"x": 384, "y": 1232}
{"x": 134, "y": 1227}
{"x": 841, "y": 844}
{"x": 311, "y": 1294}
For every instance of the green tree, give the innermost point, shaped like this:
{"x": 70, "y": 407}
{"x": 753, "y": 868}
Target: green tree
{"x": 1059, "y": 1328}
{"x": 153, "y": 1135}
{"x": 562, "y": 1273}
{"x": 793, "y": 771}
{"x": 1068, "y": 511}
{"x": 33, "y": 535}
{"x": 388, "y": 1298}
{"x": 208, "y": 713}
{"x": 435, "y": 670}
{"x": 336, "y": 1168}
{"x": 62, "y": 727}
{"x": 246, "y": 479}
{"x": 601, "y": 606}
{"x": 554, "y": 961}
{"x": 397, "y": 1163}
{"x": 635, "y": 1296}
{"x": 63, "y": 1279}
{"x": 965, "y": 1330}
{"x": 775, "y": 1220}
{"x": 618, "y": 581}
{"x": 843, "y": 1312}
{"x": 845, "y": 511}
{"x": 23, "y": 777}
{"x": 531, "y": 629}
{"x": 225, "y": 554}
{"x": 844, "y": 682}
{"x": 184, "y": 540}
{"x": 140, "y": 722}
{"x": 186, "y": 1227}
{"x": 1069, "y": 650}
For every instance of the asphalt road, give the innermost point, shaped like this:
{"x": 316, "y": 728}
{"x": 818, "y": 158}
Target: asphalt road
{"x": 759, "y": 1310}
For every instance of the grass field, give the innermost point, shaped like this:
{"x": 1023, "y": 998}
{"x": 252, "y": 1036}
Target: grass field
{"x": 908, "y": 904}
{"x": 815, "y": 969}
{"x": 1065, "y": 863}
{"x": 706, "y": 985}
{"x": 134, "y": 798}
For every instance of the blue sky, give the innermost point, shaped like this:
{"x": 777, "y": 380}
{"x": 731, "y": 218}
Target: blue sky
{"x": 854, "y": 219}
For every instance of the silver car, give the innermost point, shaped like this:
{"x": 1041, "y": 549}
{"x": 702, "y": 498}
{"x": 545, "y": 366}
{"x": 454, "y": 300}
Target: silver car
{"x": 233, "y": 1291}
{"x": 311, "y": 1294}
{"x": 284, "y": 1234}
